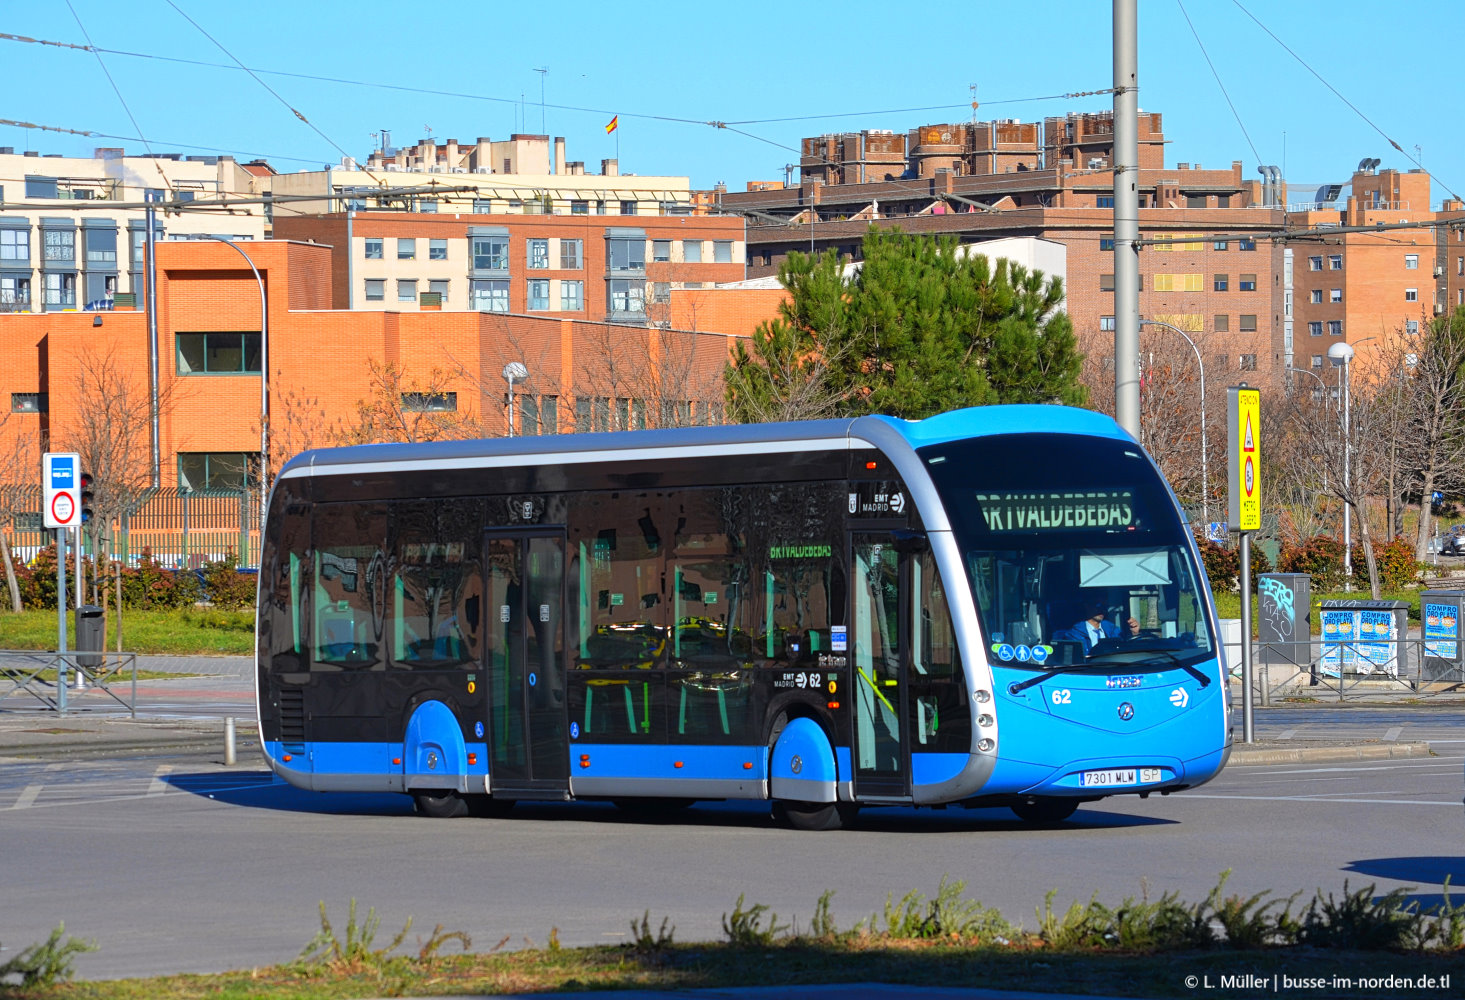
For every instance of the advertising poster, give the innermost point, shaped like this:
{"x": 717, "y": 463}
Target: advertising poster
{"x": 1441, "y": 631}
{"x": 1377, "y": 648}
{"x": 1340, "y": 635}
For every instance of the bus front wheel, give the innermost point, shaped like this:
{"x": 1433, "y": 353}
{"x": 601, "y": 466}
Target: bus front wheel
{"x": 815, "y": 815}
{"x": 440, "y": 804}
{"x": 1045, "y": 810}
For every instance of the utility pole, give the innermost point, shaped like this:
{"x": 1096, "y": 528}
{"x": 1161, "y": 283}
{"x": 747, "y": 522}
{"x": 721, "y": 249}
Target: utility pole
{"x": 1126, "y": 215}
{"x": 152, "y": 277}
{"x": 544, "y": 72}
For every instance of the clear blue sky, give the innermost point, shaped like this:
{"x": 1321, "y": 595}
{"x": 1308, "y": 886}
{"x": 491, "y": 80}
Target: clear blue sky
{"x": 747, "y": 62}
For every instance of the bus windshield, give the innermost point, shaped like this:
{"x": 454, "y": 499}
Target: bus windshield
{"x": 1075, "y": 552}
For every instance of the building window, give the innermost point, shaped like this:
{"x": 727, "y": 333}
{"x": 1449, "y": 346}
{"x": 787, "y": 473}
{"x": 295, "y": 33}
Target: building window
{"x": 1248, "y": 323}
{"x": 437, "y": 249}
{"x": 15, "y": 245}
{"x": 1220, "y": 246}
{"x": 515, "y": 205}
{"x": 1106, "y": 322}
{"x": 1246, "y": 283}
{"x": 572, "y": 296}
{"x": 1104, "y": 201}
{"x": 430, "y": 402}
{"x": 692, "y": 251}
{"x": 15, "y": 293}
{"x": 427, "y": 205}
{"x": 1195, "y": 201}
{"x": 491, "y": 253}
{"x": 1106, "y": 282}
{"x": 60, "y": 244}
{"x": 1315, "y": 296}
{"x": 1221, "y": 282}
{"x": 1335, "y": 328}
{"x": 661, "y": 251}
{"x": 538, "y": 254}
{"x": 1411, "y": 262}
{"x": 628, "y": 208}
{"x": 1411, "y": 295}
{"x": 1460, "y": 265}
{"x": 376, "y": 289}
{"x": 101, "y": 247}
{"x": 1317, "y": 361}
{"x": 572, "y": 255}
{"x": 1105, "y": 243}
{"x": 29, "y": 402}
{"x": 60, "y": 290}
{"x": 661, "y": 291}
{"x": 215, "y": 470}
{"x": 1248, "y": 362}
{"x": 1411, "y": 326}
{"x": 539, "y": 293}
{"x": 538, "y": 414}
{"x": 1335, "y": 262}
{"x": 1335, "y": 295}
{"x": 1315, "y": 263}
{"x": 374, "y": 249}
{"x": 439, "y": 288}
{"x": 1221, "y": 322}
{"x": 722, "y": 252}
{"x": 490, "y": 295}
{"x": 1315, "y": 328}
{"x": 579, "y": 207}
{"x": 406, "y": 290}
{"x": 626, "y": 255}
{"x": 406, "y": 249}
{"x": 218, "y": 354}
{"x": 626, "y": 296}
{"x": 1246, "y": 243}
{"x": 482, "y": 206}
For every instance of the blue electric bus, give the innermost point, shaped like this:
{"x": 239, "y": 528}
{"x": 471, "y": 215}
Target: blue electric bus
{"x": 999, "y": 606}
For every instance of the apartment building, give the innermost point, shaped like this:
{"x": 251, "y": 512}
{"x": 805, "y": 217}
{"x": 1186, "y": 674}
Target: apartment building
{"x": 619, "y": 269}
{"x": 72, "y": 229}
{"x": 1213, "y": 271}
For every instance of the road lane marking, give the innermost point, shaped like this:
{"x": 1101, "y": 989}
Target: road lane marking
{"x": 1392, "y": 733}
{"x": 158, "y": 786}
{"x": 27, "y": 796}
{"x": 1452, "y": 803}
{"x": 1286, "y": 734}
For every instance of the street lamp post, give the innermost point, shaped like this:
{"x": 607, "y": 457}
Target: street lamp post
{"x": 513, "y": 372}
{"x": 264, "y": 386}
{"x": 1344, "y": 352}
{"x": 1205, "y": 488}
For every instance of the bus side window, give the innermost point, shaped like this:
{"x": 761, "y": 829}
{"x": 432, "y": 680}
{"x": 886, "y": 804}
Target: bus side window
{"x": 436, "y": 584}
{"x": 940, "y": 714}
{"x": 287, "y": 591}
{"x": 348, "y": 581}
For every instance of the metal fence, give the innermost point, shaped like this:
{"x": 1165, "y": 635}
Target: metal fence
{"x": 178, "y": 528}
{"x": 1348, "y": 669}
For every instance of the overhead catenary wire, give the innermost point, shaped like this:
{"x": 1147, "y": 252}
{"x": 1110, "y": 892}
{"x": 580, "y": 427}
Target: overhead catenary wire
{"x": 1215, "y": 73}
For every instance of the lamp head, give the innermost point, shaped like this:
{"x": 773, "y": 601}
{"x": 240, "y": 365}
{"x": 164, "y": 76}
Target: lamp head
{"x": 515, "y": 371}
{"x": 1341, "y": 352}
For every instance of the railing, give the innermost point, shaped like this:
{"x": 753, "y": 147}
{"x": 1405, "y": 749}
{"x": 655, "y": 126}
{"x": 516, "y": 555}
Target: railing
{"x": 180, "y": 529}
{"x": 1350, "y": 669}
{"x": 39, "y": 675}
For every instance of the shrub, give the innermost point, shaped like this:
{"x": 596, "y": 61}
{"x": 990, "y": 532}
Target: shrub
{"x": 1320, "y": 557}
{"x": 1397, "y": 565}
{"x": 225, "y": 586}
{"x": 46, "y": 964}
{"x": 1223, "y": 565}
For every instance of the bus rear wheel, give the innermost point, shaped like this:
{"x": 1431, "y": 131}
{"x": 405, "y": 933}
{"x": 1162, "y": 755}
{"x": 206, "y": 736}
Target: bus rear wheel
{"x": 1045, "y": 810}
{"x": 440, "y": 804}
{"x": 815, "y": 815}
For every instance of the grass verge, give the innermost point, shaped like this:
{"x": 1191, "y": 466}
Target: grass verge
{"x": 188, "y": 632}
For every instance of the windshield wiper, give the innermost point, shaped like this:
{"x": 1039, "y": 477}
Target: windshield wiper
{"x": 1041, "y": 676}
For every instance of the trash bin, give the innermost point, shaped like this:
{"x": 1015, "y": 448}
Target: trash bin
{"x": 90, "y": 635}
{"x": 1442, "y": 647}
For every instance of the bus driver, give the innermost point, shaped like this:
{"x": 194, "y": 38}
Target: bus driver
{"x": 1096, "y": 627}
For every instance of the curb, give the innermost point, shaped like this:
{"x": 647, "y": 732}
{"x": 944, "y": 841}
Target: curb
{"x": 1371, "y": 751}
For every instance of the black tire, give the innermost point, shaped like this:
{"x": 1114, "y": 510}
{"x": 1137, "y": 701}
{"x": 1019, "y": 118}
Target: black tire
{"x": 1045, "y": 810}
{"x": 440, "y": 804}
{"x": 815, "y": 816}
{"x": 488, "y": 807}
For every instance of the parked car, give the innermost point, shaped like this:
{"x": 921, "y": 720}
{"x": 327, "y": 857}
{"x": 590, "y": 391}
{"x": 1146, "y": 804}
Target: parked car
{"x": 1452, "y": 542}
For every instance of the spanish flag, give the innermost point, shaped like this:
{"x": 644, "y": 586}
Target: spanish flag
{"x": 613, "y": 124}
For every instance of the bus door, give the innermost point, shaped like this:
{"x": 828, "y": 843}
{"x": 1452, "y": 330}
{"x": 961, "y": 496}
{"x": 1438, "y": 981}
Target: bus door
{"x": 524, "y": 662}
{"x": 880, "y": 661}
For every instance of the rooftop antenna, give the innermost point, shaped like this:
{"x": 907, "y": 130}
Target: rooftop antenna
{"x": 973, "y": 88}
{"x": 544, "y": 72}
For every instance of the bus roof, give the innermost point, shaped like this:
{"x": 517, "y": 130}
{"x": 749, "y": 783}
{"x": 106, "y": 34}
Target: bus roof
{"x": 842, "y": 433}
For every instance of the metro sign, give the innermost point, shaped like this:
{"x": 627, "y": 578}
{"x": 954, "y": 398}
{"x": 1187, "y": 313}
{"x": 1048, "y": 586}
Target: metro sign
{"x": 61, "y": 489}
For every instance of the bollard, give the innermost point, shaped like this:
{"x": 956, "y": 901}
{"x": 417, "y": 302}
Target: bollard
{"x": 229, "y": 741}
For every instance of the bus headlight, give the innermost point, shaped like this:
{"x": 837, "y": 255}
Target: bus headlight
{"x": 984, "y": 721}
{"x": 983, "y": 697}
{"x": 986, "y": 745}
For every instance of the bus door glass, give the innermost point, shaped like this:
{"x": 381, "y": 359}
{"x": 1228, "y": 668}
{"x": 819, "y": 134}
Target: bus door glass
{"x": 881, "y": 761}
{"x": 523, "y": 659}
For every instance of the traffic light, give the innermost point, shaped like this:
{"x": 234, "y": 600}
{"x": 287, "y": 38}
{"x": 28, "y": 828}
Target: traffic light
{"x": 87, "y": 497}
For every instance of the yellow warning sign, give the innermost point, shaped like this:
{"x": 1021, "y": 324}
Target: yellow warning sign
{"x": 1244, "y": 458}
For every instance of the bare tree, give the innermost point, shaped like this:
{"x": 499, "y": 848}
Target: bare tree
{"x": 20, "y": 466}
{"x": 1428, "y": 369}
{"x": 409, "y": 408}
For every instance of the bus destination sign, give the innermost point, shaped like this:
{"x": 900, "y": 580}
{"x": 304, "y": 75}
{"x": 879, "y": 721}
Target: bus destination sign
{"x": 1106, "y": 510}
